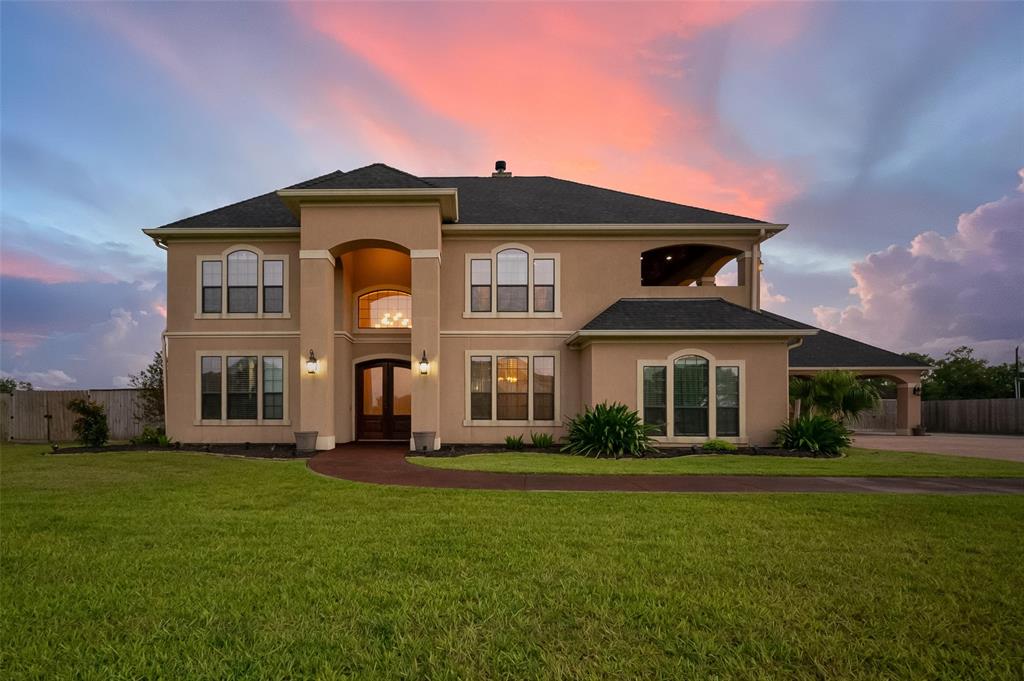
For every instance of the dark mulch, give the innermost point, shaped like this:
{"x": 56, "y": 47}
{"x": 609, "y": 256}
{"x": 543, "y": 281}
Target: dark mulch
{"x": 449, "y": 450}
{"x": 251, "y": 450}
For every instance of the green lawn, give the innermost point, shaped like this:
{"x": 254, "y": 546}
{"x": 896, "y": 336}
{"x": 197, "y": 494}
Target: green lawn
{"x": 176, "y": 565}
{"x": 856, "y": 462}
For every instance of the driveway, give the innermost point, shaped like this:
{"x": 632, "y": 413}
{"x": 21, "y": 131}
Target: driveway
{"x": 1005, "y": 447}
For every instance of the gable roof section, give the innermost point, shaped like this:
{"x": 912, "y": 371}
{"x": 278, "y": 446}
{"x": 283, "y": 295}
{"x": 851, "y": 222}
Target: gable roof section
{"x": 481, "y": 200}
{"x": 688, "y": 314}
{"x": 551, "y": 201}
{"x": 830, "y": 350}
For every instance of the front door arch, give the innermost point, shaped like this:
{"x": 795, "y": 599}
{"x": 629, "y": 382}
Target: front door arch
{"x": 383, "y": 400}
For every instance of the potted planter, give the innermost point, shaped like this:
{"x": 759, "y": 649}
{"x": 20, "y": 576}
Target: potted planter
{"x": 305, "y": 441}
{"x": 918, "y": 430}
{"x": 424, "y": 440}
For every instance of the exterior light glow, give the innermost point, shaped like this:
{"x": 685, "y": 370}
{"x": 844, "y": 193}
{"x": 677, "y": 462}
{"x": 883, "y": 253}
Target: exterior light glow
{"x": 668, "y": 257}
{"x": 424, "y": 364}
{"x": 312, "y": 363}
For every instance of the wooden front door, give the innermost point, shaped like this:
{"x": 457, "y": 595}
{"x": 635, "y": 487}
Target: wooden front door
{"x": 383, "y": 400}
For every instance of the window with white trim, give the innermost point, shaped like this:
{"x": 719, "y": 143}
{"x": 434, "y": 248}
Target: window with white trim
{"x": 241, "y": 282}
{"x": 244, "y": 387}
{"x": 512, "y": 281}
{"x": 385, "y": 309}
{"x": 512, "y": 388}
{"x": 691, "y": 397}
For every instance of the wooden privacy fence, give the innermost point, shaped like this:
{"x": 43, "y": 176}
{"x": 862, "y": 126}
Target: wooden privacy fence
{"x": 993, "y": 417}
{"x": 882, "y": 418}
{"x": 43, "y": 415}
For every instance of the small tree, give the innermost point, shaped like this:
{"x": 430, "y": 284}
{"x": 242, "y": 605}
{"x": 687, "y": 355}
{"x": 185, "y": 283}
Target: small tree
{"x": 834, "y": 393}
{"x": 91, "y": 425}
{"x": 9, "y": 385}
{"x": 150, "y": 384}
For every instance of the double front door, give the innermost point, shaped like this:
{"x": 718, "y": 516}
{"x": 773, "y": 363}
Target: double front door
{"x": 383, "y": 400}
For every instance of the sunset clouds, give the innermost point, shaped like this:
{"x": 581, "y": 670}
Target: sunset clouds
{"x": 867, "y": 127}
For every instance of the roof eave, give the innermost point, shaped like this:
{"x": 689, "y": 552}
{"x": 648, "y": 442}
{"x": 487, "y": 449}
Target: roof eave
{"x": 447, "y": 198}
{"x": 160, "y": 234}
{"x": 724, "y": 228}
{"x": 584, "y": 336}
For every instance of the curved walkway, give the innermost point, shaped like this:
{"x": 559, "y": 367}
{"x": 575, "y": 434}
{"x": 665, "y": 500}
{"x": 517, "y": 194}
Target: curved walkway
{"x": 386, "y": 465}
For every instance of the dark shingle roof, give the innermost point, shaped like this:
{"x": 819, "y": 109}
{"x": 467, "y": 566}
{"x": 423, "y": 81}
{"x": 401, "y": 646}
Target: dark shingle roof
{"x": 548, "y": 200}
{"x": 482, "y": 200}
{"x": 827, "y": 349}
{"x": 686, "y": 314}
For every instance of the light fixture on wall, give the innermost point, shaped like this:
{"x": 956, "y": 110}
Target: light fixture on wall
{"x": 424, "y": 363}
{"x": 312, "y": 363}
{"x": 917, "y": 389}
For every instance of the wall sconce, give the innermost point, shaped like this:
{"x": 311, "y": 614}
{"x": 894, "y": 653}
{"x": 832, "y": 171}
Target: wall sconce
{"x": 312, "y": 363}
{"x": 917, "y": 389}
{"x": 424, "y": 364}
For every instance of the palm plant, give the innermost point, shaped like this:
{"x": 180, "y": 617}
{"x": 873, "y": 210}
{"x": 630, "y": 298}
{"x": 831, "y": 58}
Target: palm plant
{"x": 833, "y": 393}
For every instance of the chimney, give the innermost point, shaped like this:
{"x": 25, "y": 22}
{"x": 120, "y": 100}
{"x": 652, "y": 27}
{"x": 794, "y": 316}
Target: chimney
{"x": 499, "y": 170}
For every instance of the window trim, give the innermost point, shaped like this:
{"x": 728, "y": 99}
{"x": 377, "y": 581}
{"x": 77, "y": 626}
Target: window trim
{"x": 198, "y": 419}
{"x": 356, "y": 329}
{"x": 530, "y": 313}
{"x": 494, "y": 355}
{"x": 713, "y": 364}
{"x": 222, "y": 257}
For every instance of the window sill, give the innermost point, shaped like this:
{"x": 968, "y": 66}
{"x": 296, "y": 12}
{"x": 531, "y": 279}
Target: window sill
{"x": 511, "y": 315}
{"x": 242, "y": 422}
{"x": 510, "y": 424}
{"x": 242, "y": 315}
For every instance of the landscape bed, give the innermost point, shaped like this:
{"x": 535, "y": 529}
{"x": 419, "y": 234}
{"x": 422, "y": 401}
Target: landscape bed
{"x": 178, "y": 565}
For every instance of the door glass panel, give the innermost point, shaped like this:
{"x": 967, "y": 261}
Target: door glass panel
{"x": 373, "y": 391}
{"x": 402, "y": 390}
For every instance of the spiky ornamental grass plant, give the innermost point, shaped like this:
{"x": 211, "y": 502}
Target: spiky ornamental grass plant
{"x": 814, "y": 433}
{"x": 608, "y": 430}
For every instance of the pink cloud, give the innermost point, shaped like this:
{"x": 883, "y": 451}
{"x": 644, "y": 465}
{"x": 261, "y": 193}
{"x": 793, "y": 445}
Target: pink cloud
{"x": 29, "y": 266}
{"x": 942, "y": 291}
{"x": 555, "y": 89}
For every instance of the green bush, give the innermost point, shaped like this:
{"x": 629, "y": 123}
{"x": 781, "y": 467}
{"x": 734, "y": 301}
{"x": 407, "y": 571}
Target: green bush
{"x": 815, "y": 433}
{"x": 718, "y": 446}
{"x": 91, "y": 425}
{"x": 608, "y": 430}
{"x": 542, "y": 440}
{"x": 152, "y": 436}
{"x": 514, "y": 442}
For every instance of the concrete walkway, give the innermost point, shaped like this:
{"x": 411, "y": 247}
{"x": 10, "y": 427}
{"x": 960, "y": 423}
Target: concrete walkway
{"x": 1005, "y": 447}
{"x": 386, "y": 465}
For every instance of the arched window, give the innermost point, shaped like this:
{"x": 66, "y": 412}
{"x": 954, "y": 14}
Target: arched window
{"x": 243, "y": 282}
{"x": 385, "y": 309}
{"x": 690, "y": 396}
{"x": 513, "y": 280}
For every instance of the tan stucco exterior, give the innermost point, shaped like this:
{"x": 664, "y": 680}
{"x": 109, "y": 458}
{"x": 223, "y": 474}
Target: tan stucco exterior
{"x": 349, "y": 245}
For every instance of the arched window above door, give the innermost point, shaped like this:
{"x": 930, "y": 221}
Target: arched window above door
{"x": 385, "y": 309}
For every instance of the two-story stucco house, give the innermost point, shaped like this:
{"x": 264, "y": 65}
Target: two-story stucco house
{"x": 477, "y": 307}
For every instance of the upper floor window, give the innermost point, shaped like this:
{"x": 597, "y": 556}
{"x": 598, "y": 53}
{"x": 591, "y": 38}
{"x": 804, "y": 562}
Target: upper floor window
{"x": 242, "y": 281}
{"x": 512, "y": 281}
{"x": 385, "y": 309}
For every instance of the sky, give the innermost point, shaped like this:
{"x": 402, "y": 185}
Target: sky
{"x": 890, "y": 137}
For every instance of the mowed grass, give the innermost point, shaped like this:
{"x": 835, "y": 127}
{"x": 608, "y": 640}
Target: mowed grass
{"x": 856, "y": 462}
{"x": 189, "y": 566}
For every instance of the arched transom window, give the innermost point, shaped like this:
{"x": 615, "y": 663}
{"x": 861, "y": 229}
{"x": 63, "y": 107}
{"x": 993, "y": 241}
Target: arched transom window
{"x": 385, "y": 309}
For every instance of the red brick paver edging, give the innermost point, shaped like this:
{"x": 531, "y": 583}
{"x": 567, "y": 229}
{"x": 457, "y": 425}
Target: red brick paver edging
{"x": 386, "y": 465}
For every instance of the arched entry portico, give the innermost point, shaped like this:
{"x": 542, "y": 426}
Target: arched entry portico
{"x": 908, "y": 390}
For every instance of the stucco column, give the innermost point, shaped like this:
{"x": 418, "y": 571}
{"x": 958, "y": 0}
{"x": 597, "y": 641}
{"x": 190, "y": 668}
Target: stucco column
{"x": 908, "y": 408}
{"x": 316, "y": 332}
{"x": 426, "y": 337}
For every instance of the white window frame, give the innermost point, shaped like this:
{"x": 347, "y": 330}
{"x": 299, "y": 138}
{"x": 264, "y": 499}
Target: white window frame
{"x": 198, "y": 419}
{"x": 713, "y": 364}
{"x": 222, "y": 257}
{"x": 468, "y": 312}
{"x": 494, "y": 355}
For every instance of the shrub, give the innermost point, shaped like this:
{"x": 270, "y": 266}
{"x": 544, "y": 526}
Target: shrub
{"x": 608, "y": 430}
{"x": 91, "y": 425}
{"x": 152, "y": 436}
{"x": 718, "y": 446}
{"x": 514, "y": 442}
{"x": 542, "y": 440}
{"x": 815, "y": 433}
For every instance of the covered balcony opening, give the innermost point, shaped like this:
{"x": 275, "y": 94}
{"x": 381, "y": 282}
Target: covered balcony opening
{"x": 689, "y": 265}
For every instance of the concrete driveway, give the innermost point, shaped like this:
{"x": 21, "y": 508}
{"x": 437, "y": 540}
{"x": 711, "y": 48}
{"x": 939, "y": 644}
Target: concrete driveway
{"x": 1005, "y": 447}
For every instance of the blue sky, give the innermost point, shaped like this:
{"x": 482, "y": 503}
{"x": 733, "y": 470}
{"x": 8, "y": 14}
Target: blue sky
{"x": 889, "y": 136}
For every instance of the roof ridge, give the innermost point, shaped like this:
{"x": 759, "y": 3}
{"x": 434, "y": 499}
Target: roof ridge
{"x": 393, "y": 169}
{"x": 319, "y": 179}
